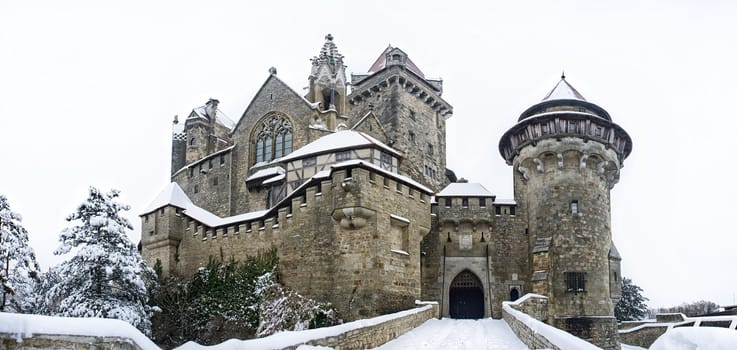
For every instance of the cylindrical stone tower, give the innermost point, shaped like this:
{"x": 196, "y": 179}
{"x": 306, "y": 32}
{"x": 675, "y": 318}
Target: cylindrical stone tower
{"x": 567, "y": 153}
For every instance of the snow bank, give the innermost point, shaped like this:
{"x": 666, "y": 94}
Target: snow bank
{"x": 289, "y": 338}
{"x": 692, "y": 338}
{"x": 26, "y": 326}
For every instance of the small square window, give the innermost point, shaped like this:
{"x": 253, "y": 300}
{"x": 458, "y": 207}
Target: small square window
{"x": 512, "y": 210}
{"x": 464, "y": 202}
{"x": 448, "y": 203}
{"x": 574, "y": 207}
{"x": 575, "y": 282}
{"x": 498, "y": 210}
{"x": 482, "y": 202}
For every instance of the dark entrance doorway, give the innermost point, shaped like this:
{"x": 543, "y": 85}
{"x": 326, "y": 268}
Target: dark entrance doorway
{"x": 466, "y": 296}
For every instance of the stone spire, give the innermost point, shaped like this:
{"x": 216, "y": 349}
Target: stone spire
{"x": 329, "y": 57}
{"x": 327, "y": 78}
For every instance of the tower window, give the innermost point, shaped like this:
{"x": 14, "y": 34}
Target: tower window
{"x": 482, "y": 202}
{"x": 575, "y": 281}
{"x": 386, "y": 161}
{"x": 222, "y": 159}
{"x": 411, "y": 136}
{"x": 215, "y": 181}
{"x": 512, "y": 210}
{"x": 498, "y": 210}
{"x": 448, "y": 202}
{"x": 193, "y": 142}
{"x": 574, "y": 207}
{"x": 429, "y": 149}
{"x": 396, "y": 57}
{"x": 464, "y": 202}
{"x": 196, "y": 189}
{"x": 273, "y": 138}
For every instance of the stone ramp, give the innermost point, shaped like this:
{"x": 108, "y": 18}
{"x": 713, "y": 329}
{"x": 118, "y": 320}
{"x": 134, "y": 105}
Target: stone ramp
{"x": 446, "y": 334}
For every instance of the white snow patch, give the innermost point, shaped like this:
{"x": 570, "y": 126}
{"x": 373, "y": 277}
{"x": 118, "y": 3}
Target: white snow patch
{"x": 464, "y": 189}
{"x": 277, "y": 170}
{"x": 25, "y": 326}
{"x": 693, "y": 338}
{"x": 399, "y": 218}
{"x": 483, "y": 334}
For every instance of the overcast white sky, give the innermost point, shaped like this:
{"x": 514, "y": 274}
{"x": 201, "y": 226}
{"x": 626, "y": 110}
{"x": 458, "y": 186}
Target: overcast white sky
{"x": 88, "y": 91}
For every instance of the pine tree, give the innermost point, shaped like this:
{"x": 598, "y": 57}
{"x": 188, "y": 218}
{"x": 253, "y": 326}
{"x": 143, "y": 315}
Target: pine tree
{"x": 107, "y": 277}
{"x": 18, "y": 266}
{"x": 632, "y": 305}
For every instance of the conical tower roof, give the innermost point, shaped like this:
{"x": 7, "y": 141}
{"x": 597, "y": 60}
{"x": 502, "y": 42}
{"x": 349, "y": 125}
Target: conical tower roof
{"x": 381, "y": 63}
{"x": 563, "y": 91}
{"x": 564, "y": 97}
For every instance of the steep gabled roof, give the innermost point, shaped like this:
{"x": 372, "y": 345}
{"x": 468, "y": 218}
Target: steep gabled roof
{"x": 381, "y": 63}
{"x": 220, "y": 117}
{"x": 340, "y": 140}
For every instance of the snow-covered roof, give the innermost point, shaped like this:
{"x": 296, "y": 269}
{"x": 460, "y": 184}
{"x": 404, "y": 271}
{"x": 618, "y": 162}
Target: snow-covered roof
{"x": 173, "y": 195}
{"x": 563, "y": 91}
{"x": 220, "y": 117}
{"x": 464, "y": 189}
{"x": 344, "y": 139}
{"x": 24, "y": 326}
{"x": 505, "y": 201}
{"x": 268, "y": 172}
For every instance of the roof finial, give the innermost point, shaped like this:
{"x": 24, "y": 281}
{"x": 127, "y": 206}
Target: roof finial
{"x": 329, "y": 37}
{"x": 272, "y": 70}
{"x": 563, "y": 75}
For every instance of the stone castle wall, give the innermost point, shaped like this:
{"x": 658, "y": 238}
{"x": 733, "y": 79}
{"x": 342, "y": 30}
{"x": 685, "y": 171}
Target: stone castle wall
{"x": 334, "y": 242}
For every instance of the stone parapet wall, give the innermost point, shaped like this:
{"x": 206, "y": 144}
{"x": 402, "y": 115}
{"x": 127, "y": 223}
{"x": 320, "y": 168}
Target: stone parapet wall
{"x": 361, "y": 334}
{"x": 533, "y": 332}
{"x": 46, "y": 341}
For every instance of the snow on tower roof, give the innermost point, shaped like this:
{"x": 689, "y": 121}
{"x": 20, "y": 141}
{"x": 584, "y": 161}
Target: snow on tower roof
{"x": 344, "y": 139}
{"x": 563, "y": 91}
{"x": 381, "y": 63}
{"x": 172, "y": 194}
{"x": 464, "y": 189}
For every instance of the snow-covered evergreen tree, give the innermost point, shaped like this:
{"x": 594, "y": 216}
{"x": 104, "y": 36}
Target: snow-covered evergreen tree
{"x": 632, "y": 306}
{"x": 107, "y": 277}
{"x": 18, "y": 267}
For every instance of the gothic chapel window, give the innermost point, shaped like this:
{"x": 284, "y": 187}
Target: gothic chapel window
{"x": 273, "y": 138}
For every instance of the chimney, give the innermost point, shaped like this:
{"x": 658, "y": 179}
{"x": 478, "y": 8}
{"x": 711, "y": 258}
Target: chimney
{"x": 211, "y": 108}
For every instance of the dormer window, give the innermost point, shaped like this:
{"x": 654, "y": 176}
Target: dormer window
{"x": 396, "y": 57}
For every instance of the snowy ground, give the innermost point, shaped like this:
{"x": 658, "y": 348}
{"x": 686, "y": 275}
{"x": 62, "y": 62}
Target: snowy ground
{"x": 445, "y": 334}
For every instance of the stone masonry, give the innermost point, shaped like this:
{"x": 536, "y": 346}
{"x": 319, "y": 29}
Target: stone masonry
{"x": 348, "y": 182}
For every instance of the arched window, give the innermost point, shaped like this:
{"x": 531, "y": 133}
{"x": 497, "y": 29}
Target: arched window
{"x": 273, "y": 138}
{"x": 193, "y": 142}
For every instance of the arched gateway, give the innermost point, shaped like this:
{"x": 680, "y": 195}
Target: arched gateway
{"x": 466, "y": 296}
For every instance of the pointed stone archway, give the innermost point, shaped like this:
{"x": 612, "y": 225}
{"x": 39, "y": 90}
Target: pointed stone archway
{"x": 466, "y": 296}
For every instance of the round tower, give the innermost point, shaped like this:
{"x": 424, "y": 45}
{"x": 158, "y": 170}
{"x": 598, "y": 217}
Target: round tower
{"x": 567, "y": 153}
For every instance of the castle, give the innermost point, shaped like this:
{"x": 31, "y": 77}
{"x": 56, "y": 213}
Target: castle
{"x": 349, "y": 184}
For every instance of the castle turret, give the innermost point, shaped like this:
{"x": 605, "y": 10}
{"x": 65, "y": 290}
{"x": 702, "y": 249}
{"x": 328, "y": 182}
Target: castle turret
{"x": 567, "y": 154}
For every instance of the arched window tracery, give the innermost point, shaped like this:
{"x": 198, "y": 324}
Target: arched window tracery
{"x": 273, "y": 138}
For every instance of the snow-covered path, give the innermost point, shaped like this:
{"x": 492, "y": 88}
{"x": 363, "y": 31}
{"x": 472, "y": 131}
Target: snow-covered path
{"x": 446, "y": 334}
